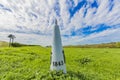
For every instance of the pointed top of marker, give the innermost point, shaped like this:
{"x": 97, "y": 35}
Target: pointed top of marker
{"x": 56, "y": 21}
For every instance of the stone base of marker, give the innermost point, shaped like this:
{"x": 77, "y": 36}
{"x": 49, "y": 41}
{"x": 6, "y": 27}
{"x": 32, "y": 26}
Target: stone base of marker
{"x": 58, "y": 65}
{"x": 63, "y": 69}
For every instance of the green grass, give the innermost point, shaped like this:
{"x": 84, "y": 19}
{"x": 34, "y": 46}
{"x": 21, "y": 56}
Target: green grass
{"x": 33, "y": 63}
{"x": 4, "y": 44}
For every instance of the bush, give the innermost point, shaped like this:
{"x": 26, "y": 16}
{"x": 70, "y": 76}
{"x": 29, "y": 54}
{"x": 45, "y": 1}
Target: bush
{"x": 17, "y": 44}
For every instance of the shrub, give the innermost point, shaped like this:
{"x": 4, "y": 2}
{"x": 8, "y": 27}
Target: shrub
{"x": 17, "y": 44}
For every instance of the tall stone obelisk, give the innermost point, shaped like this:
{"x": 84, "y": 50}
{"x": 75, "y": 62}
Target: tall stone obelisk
{"x": 57, "y": 55}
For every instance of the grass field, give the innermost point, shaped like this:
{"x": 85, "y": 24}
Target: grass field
{"x": 4, "y": 44}
{"x": 33, "y": 63}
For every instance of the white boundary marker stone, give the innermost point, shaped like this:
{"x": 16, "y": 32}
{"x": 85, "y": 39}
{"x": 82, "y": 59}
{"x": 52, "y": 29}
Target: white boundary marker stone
{"x": 57, "y": 55}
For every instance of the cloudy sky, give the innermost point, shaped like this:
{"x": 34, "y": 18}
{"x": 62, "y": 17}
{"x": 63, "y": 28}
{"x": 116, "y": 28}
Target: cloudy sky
{"x": 80, "y": 21}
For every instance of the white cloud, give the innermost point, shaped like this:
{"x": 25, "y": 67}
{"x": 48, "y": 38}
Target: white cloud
{"x": 101, "y": 37}
{"x": 27, "y": 38}
{"x": 36, "y": 17}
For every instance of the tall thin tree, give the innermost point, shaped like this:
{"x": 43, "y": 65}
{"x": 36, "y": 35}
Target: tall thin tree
{"x": 11, "y": 39}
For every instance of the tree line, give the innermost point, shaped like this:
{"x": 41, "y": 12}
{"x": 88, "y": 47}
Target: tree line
{"x": 102, "y": 45}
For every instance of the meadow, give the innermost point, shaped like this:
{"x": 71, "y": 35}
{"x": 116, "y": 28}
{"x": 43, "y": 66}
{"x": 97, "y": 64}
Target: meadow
{"x": 33, "y": 63}
{"x": 4, "y": 44}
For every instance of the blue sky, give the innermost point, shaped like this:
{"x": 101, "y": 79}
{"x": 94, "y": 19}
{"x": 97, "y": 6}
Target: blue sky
{"x": 80, "y": 21}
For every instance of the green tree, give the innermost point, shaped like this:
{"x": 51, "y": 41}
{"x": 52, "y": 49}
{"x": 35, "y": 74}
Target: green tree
{"x": 12, "y": 37}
